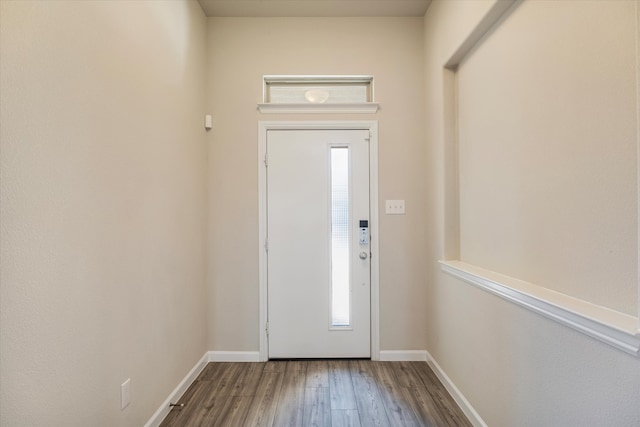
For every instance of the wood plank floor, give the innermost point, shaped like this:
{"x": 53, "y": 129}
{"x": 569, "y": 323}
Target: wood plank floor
{"x": 325, "y": 393}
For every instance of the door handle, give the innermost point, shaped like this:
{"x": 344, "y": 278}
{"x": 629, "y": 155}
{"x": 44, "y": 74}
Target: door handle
{"x": 363, "y": 255}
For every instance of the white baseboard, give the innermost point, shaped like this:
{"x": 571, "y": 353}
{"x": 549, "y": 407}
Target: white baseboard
{"x": 234, "y": 356}
{"x": 462, "y": 401}
{"x": 403, "y": 355}
{"x": 177, "y": 393}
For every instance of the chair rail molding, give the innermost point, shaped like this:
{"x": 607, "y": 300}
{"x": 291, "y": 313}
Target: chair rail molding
{"x": 616, "y": 329}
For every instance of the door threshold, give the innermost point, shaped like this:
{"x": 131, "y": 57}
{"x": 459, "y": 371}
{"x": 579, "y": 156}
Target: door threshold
{"x": 310, "y": 359}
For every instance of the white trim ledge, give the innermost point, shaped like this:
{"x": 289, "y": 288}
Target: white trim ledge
{"x": 617, "y": 329}
{"x": 346, "y": 108}
{"x": 162, "y": 412}
{"x": 403, "y": 355}
{"x": 462, "y": 401}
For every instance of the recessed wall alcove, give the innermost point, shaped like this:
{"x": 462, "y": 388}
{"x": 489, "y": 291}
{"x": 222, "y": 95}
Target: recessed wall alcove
{"x": 541, "y": 204}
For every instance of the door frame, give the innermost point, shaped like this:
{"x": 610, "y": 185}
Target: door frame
{"x": 372, "y": 127}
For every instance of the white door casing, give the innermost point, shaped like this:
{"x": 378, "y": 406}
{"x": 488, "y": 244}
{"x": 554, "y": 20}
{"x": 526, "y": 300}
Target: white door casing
{"x": 340, "y": 342}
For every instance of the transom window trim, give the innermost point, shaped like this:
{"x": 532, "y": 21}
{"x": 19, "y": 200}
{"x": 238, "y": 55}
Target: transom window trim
{"x": 318, "y": 94}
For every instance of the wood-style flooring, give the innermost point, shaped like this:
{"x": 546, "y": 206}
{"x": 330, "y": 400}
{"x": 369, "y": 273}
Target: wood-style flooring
{"x": 325, "y": 393}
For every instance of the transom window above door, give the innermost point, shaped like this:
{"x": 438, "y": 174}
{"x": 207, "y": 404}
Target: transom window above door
{"x": 318, "y": 94}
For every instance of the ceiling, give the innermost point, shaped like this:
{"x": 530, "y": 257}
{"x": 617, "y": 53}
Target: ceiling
{"x": 313, "y": 8}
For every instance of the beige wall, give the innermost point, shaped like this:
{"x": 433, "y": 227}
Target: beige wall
{"x": 515, "y": 367}
{"x": 240, "y": 51}
{"x": 105, "y": 178}
{"x": 547, "y": 144}
{"x": 103, "y": 167}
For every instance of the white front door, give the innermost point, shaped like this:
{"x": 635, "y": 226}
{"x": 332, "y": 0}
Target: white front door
{"x": 318, "y": 259}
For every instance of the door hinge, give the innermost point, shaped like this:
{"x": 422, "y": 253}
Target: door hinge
{"x": 266, "y": 161}
{"x": 370, "y": 136}
{"x": 266, "y": 328}
{"x": 266, "y": 245}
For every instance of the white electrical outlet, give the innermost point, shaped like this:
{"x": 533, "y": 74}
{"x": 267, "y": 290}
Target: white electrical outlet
{"x": 394, "y": 207}
{"x": 125, "y": 393}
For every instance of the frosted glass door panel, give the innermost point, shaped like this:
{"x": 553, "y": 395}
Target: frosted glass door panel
{"x": 340, "y": 237}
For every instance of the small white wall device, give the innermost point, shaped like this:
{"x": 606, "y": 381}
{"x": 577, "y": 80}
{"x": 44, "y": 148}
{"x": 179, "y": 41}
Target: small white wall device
{"x": 208, "y": 122}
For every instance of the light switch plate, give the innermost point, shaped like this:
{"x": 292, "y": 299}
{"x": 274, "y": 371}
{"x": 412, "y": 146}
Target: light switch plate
{"x": 394, "y": 207}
